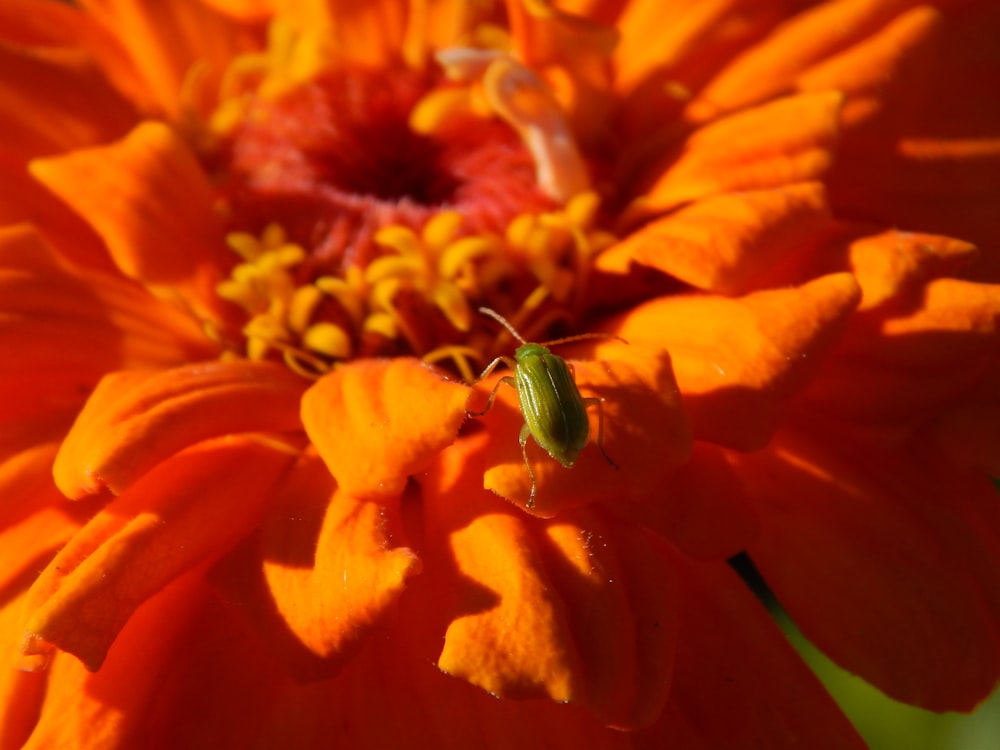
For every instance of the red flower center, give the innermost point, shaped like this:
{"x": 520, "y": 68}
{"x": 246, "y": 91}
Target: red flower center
{"x": 335, "y": 160}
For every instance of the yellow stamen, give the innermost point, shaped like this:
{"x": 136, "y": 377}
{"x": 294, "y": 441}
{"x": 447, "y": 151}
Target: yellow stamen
{"x": 313, "y": 324}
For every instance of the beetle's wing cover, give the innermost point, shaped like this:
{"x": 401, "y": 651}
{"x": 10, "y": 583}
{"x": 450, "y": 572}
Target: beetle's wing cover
{"x": 552, "y": 406}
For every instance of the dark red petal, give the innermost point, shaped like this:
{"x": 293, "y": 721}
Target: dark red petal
{"x": 886, "y": 559}
{"x": 737, "y": 681}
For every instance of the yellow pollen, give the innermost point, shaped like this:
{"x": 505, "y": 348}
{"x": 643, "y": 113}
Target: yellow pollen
{"x": 314, "y": 323}
{"x": 292, "y": 56}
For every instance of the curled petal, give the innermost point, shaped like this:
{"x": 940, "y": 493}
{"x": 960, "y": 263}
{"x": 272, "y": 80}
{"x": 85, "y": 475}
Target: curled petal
{"x": 324, "y": 570}
{"x": 901, "y": 363}
{"x": 356, "y": 575}
{"x": 779, "y": 143}
{"x": 578, "y": 608}
{"x": 114, "y": 703}
{"x": 135, "y": 420}
{"x": 188, "y": 510}
{"x": 894, "y": 264}
{"x": 728, "y": 243}
{"x": 617, "y": 589}
{"x": 739, "y": 360}
{"x": 645, "y": 433}
{"x": 513, "y": 638}
{"x": 148, "y": 198}
{"x": 376, "y": 422}
{"x": 35, "y": 520}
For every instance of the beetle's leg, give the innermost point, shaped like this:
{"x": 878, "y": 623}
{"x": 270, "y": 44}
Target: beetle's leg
{"x": 523, "y": 440}
{"x": 493, "y": 394}
{"x": 509, "y": 361}
{"x": 599, "y": 402}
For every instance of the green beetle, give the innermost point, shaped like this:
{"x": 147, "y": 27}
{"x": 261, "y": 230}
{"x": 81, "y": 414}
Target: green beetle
{"x": 555, "y": 414}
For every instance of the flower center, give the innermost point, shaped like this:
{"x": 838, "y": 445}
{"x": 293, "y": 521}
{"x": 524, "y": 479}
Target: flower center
{"x": 370, "y": 216}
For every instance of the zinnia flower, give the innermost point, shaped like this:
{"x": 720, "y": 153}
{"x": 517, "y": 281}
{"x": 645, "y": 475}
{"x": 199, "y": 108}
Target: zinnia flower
{"x": 245, "y": 244}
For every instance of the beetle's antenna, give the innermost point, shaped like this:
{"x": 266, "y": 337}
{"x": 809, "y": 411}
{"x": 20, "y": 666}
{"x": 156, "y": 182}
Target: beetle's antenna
{"x": 580, "y": 336}
{"x": 502, "y": 321}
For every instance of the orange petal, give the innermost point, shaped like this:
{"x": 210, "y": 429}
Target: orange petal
{"x": 580, "y": 608}
{"x": 857, "y": 547}
{"x": 670, "y": 51}
{"x": 897, "y": 264}
{"x": 969, "y": 431}
{"x": 860, "y": 72}
{"x": 325, "y": 570}
{"x": 355, "y": 576}
{"x": 729, "y": 243}
{"x": 22, "y": 196}
{"x": 898, "y": 366}
{"x": 617, "y": 592}
{"x": 376, "y": 422}
{"x": 928, "y": 157}
{"x": 135, "y": 420}
{"x": 856, "y": 38}
{"x": 733, "y": 655}
{"x": 656, "y": 39}
{"x": 162, "y": 42}
{"x": 216, "y": 677}
{"x": 645, "y": 433}
{"x": 66, "y": 324}
{"x": 148, "y": 198}
{"x": 245, "y": 10}
{"x": 776, "y": 144}
{"x": 512, "y": 638}
{"x": 79, "y": 108}
{"x": 35, "y": 520}
{"x": 111, "y": 707}
{"x": 704, "y": 510}
{"x": 739, "y": 360}
{"x": 191, "y": 508}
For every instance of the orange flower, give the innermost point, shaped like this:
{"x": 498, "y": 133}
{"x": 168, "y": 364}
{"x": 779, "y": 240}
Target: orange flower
{"x": 244, "y": 246}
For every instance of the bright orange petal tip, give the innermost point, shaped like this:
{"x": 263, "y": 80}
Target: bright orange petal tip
{"x": 323, "y": 571}
{"x": 897, "y": 264}
{"x": 356, "y": 575}
{"x": 580, "y": 610}
{"x": 512, "y": 637}
{"x": 377, "y": 422}
{"x": 135, "y": 420}
{"x": 646, "y": 434}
